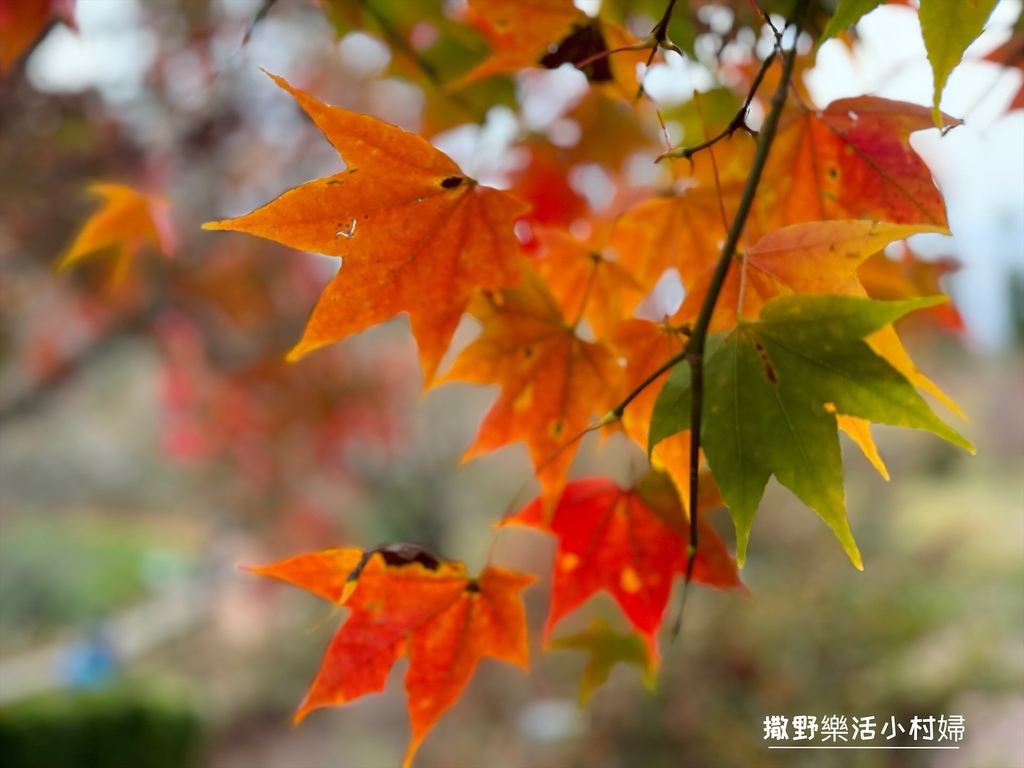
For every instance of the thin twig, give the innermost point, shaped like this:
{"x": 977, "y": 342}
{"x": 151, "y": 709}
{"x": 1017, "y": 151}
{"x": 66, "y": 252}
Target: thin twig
{"x": 738, "y": 123}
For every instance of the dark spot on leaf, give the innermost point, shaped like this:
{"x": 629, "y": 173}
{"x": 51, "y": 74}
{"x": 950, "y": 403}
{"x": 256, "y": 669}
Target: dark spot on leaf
{"x": 557, "y": 429}
{"x": 472, "y": 587}
{"x": 406, "y": 554}
{"x": 335, "y": 181}
{"x": 452, "y": 182}
{"x": 584, "y": 42}
{"x": 527, "y": 352}
{"x": 766, "y": 364}
{"x": 833, "y": 173}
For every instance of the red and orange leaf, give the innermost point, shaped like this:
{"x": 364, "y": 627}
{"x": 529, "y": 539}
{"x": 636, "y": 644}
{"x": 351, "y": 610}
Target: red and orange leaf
{"x": 852, "y": 160}
{"x": 126, "y": 221}
{"x": 552, "y": 382}
{"x": 629, "y": 543}
{"x": 543, "y": 183}
{"x": 420, "y": 607}
{"x": 414, "y": 233}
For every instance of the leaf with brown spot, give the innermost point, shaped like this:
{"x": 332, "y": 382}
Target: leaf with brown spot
{"x": 415, "y": 234}
{"x": 408, "y": 605}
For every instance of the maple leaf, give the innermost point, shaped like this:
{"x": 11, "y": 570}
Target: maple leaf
{"x": 415, "y": 234}
{"x": 629, "y": 543}
{"x": 552, "y": 382}
{"x": 814, "y": 258}
{"x": 126, "y": 221}
{"x": 851, "y": 160}
{"x": 681, "y": 231}
{"x": 772, "y": 387}
{"x": 406, "y": 602}
{"x": 948, "y": 28}
{"x": 606, "y": 648}
{"x": 587, "y": 279}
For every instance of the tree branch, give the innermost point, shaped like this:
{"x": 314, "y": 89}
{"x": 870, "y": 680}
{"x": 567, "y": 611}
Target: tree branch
{"x": 693, "y": 353}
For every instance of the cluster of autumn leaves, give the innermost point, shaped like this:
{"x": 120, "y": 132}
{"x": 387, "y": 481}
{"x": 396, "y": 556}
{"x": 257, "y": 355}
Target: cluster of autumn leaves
{"x": 415, "y": 235}
{"x": 561, "y": 335}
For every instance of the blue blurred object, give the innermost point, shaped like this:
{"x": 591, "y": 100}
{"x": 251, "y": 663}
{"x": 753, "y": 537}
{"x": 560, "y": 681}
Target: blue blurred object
{"x": 90, "y": 663}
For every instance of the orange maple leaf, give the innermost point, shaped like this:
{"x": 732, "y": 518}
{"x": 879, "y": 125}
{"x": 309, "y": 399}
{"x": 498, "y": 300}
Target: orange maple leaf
{"x": 629, "y": 543}
{"x": 416, "y": 235}
{"x": 126, "y": 221}
{"x": 587, "y": 279}
{"x": 406, "y": 602}
{"x": 683, "y": 227}
{"x": 852, "y": 160}
{"x": 552, "y": 382}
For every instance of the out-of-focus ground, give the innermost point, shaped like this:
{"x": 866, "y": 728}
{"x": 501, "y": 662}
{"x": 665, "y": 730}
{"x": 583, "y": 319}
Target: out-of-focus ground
{"x": 118, "y": 574}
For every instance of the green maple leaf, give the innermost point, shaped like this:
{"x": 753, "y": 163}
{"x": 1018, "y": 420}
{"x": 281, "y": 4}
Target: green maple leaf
{"x": 948, "y": 27}
{"x": 772, "y": 387}
{"x": 606, "y": 648}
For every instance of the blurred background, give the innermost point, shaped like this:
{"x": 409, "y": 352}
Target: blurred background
{"x": 152, "y": 438}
